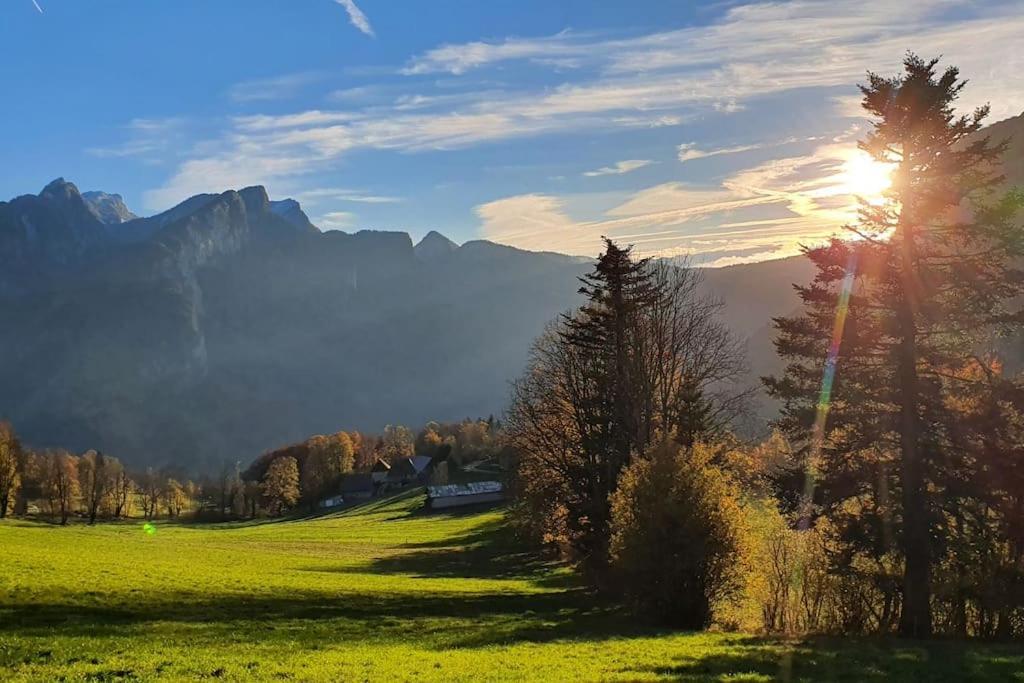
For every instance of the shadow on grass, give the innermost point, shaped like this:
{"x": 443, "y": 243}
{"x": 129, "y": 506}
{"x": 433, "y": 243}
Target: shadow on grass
{"x": 468, "y": 619}
{"x": 452, "y": 620}
{"x": 489, "y": 550}
{"x": 848, "y": 660}
{"x": 400, "y": 501}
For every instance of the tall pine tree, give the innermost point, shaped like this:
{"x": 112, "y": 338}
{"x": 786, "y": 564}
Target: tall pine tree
{"x": 894, "y": 321}
{"x": 610, "y": 333}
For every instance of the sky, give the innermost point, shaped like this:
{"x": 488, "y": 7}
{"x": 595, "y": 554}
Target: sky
{"x": 722, "y": 131}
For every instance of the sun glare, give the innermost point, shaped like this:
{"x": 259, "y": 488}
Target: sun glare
{"x": 864, "y": 177}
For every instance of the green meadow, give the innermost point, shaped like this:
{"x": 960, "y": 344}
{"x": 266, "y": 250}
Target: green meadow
{"x": 384, "y": 592}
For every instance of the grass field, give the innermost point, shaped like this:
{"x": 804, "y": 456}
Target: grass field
{"x": 383, "y": 592}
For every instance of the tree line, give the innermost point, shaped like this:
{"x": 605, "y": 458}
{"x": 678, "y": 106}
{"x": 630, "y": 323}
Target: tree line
{"x": 303, "y": 474}
{"x": 94, "y": 486}
{"x": 890, "y": 497}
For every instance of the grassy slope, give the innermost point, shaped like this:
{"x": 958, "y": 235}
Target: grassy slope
{"x": 380, "y": 593}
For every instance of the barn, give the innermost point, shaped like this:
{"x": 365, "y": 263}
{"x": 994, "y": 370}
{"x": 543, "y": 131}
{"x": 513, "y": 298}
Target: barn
{"x": 357, "y": 486}
{"x": 410, "y": 470}
{"x": 458, "y": 495}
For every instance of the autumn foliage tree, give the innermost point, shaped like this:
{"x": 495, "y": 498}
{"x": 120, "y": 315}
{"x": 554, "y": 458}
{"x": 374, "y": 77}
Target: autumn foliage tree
{"x": 280, "y": 486}
{"x": 327, "y": 459}
{"x": 175, "y": 497}
{"x": 10, "y": 478}
{"x": 150, "y": 490}
{"x": 96, "y": 477}
{"x": 61, "y": 485}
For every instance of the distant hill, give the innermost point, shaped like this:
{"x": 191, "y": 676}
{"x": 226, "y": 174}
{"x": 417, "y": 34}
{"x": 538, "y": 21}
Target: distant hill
{"x": 1012, "y": 130}
{"x": 229, "y": 324}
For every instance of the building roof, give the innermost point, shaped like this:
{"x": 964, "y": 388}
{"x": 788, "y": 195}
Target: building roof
{"x": 352, "y": 483}
{"x": 420, "y": 462}
{"x": 409, "y": 467}
{"x": 470, "y": 489}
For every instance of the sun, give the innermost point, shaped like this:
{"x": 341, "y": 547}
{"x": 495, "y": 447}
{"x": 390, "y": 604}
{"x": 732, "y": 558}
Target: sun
{"x": 862, "y": 176}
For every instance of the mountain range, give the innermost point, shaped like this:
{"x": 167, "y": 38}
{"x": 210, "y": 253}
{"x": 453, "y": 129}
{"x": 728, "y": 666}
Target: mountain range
{"x": 230, "y": 324}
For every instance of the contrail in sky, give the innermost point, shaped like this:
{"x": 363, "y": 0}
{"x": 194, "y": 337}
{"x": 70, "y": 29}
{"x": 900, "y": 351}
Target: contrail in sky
{"x": 37, "y": 6}
{"x": 356, "y": 16}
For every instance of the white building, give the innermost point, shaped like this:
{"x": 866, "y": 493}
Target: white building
{"x": 457, "y": 495}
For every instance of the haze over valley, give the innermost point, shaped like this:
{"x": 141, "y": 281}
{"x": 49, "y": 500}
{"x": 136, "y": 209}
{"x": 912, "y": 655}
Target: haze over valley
{"x": 269, "y": 329}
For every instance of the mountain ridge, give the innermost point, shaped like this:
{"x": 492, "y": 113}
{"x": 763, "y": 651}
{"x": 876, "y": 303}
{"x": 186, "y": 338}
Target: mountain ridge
{"x": 229, "y": 324}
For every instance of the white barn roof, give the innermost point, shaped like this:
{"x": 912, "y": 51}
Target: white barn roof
{"x": 470, "y": 489}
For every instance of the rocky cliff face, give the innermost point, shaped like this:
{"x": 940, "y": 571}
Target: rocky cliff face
{"x": 45, "y": 232}
{"x": 110, "y": 209}
{"x": 228, "y": 324}
{"x": 290, "y": 210}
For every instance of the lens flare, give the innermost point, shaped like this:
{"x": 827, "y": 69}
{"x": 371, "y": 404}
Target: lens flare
{"x": 827, "y": 379}
{"x": 149, "y": 528}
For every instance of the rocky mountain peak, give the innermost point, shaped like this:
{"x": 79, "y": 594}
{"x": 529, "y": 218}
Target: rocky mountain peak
{"x": 256, "y": 199}
{"x": 110, "y": 209}
{"x": 291, "y": 211}
{"x": 60, "y": 190}
{"x": 434, "y": 245}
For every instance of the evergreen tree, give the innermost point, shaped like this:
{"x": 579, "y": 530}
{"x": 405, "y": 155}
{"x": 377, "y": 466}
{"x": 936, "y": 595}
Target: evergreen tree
{"x": 607, "y": 336}
{"x": 643, "y": 356}
{"x": 607, "y": 329}
{"x": 894, "y": 319}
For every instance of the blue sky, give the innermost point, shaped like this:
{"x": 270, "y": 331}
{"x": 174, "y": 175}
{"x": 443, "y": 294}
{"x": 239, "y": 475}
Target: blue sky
{"x": 721, "y": 130}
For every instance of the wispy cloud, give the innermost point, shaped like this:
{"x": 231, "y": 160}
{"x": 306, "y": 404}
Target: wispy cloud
{"x": 764, "y": 211}
{"x": 148, "y": 139}
{"x": 770, "y": 47}
{"x": 689, "y": 151}
{"x": 619, "y": 168}
{"x": 660, "y": 79}
{"x": 339, "y": 194}
{"x": 274, "y": 88}
{"x": 564, "y": 50}
{"x": 356, "y": 17}
{"x": 335, "y": 220}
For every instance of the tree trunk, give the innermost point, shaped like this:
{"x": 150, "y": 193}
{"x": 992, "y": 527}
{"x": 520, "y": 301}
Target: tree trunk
{"x": 916, "y": 618}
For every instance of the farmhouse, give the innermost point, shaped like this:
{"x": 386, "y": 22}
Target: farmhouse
{"x": 357, "y": 487}
{"x": 380, "y": 471}
{"x": 410, "y": 470}
{"x": 457, "y": 495}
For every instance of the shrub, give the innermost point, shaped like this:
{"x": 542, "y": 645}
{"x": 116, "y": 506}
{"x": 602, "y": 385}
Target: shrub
{"x": 806, "y": 581}
{"x": 788, "y": 586}
{"x": 677, "y": 535}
